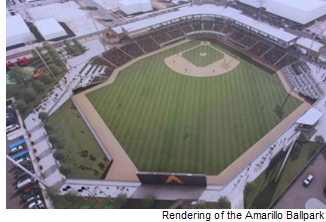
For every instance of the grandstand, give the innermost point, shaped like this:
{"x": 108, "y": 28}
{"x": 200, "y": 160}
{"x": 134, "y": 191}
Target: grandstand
{"x": 256, "y": 41}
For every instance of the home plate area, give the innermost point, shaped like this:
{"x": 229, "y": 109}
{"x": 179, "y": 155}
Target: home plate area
{"x": 203, "y": 60}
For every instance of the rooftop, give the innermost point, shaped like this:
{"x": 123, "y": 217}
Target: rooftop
{"x": 209, "y": 9}
{"x": 15, "y": 25}
{"x": 311, "y": 117}
{"x": 309, "y": 43}
{"x": 305, "y": 5}
{"x": 48, "y": 26}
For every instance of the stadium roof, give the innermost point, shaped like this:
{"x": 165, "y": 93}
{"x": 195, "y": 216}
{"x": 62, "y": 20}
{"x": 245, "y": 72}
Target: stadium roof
{"x": 208, "y": 9}
{"x": 311, "y": 117}
{"x": 15, "y": 25}
{"x": 304, "y": 5}
{"x": 309, "y": 43}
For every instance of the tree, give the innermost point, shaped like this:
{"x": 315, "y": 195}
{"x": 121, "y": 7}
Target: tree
{"x": 55, "y": 69}
{"x": 302, "y": 138}
{"x": 19, "y": 75}
{"x": 250, "y": 187}
{"x": 52, "y": 193}
{"x": 65, "y": 169}
{"x": 59, "y": 154}
{"x": 121, "y": 200}
{"x": 319, "y": 139}
{"x": 201, "y": 205}
{"x": 224, "y": 203}
{"x": 148, "y": 202}
{"x": 46, "y": 79}
{"x": 70, "y": 196}
{"x": 79, "y": 45}
{"x": 54, "y": 139}
{"x": 28, "y": 95}
{"x": 43, "y": 116}
{"x": 20, "y": 105}
{"x": 58, "y": 61}
{"x": 48, "y": 127}
{"x": 38, "y": 86}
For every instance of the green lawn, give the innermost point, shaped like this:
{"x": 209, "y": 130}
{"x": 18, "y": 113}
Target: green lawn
{"x": 169, "y": 122}
{"x": 76, "y": 138}
{"x": 267, "y": 190}
{"x": 194, "y": 57}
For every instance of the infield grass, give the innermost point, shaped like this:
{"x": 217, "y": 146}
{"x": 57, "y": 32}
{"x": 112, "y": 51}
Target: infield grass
{"x": 212, "y": 55}
{"x": 169, "y": 122}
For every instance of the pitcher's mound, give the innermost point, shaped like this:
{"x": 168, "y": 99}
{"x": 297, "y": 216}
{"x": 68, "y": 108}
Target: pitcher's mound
{"x": 203, "y": 54}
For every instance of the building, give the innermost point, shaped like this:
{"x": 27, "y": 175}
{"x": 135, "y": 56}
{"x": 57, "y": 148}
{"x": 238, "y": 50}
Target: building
{"x": 50, "y": 29}
{"x": 300, "y": 11}
{"x": 311, "y": 48}
{"x": 132, "y": 7}
{"x": 255, "y": 3}
{"x": 17, "y": 32}
{"x": 206, "y": 12}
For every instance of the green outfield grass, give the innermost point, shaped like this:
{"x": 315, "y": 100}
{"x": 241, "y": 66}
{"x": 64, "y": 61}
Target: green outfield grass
{"x": 75, "y": 138}
{"x": 169, "y": 122}
{"x": 194, "y": 57}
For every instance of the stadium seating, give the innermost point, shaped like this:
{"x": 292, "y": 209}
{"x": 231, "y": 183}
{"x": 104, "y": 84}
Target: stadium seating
{"x": 132, "y": 49}
{"x": 117, "y": 57}
{"x": 148, "y": 45}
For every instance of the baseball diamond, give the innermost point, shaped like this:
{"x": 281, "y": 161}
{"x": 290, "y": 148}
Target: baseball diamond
{"x": 167, "y": 122}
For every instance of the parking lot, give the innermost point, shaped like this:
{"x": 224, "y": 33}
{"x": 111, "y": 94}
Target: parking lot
{"x": 12, "y": 196}
{"x": 298, "y": 195}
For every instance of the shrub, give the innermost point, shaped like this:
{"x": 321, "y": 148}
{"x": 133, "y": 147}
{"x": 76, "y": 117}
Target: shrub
{"x": 48, "y": 127}
{"x": 59, "y": 155}
{"x": 55, "y": 69}
{"x": 38, "y": 86}
{"x": 65, "y": 169}
{"x": 54, "y": 139}
{"x": 46, "y": 79}
{"x": 43, "y": 116}
{"x": 20, "y": 105}
{"x": 28, "y": 95}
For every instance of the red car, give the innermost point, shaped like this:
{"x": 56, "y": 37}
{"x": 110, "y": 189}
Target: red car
{"x": 30, "y": 187}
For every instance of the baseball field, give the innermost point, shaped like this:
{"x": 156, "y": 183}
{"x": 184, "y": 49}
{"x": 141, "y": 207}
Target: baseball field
{"x": 170, "y": 122}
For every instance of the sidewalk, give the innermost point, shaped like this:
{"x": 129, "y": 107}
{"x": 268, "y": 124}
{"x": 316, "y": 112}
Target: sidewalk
{"x": 41, "y": 148}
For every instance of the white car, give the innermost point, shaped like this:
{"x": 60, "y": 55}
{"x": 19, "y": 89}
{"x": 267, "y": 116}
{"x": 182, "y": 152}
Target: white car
{"x": 11, "y": 128}
{"x": 33, "y": 198}
{"x": 308, "y": 180}
{"x": 25, "y": 182}
{"x": 36, "y": 205}
{"x": 16, "y": 149}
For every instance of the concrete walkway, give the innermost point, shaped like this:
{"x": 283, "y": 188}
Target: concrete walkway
{"x": 39, "y": 145}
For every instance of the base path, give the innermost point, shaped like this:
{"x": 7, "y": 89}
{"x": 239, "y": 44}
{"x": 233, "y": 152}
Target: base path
{"x": 181, "y": 65}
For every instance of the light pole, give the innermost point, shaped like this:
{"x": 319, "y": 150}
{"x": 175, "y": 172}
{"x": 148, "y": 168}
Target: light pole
{"x": 37, "y": 52}
{"x": 26, "y": 171}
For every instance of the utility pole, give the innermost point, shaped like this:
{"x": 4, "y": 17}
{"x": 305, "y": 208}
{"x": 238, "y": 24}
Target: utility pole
{"x": 98, "y": 33}
{"x": 37, "y": 52}
{"x": 26, "y": 171}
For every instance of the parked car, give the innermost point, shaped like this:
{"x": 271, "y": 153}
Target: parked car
{"x": 308, "y": 180}
{"x": 16, "y": 149}
{"x": 25, "y": 182}
{"x": 30, "y": 193}
{"x": 36, "y": 205}
{"x": 23, "y": 160}
{"x": 11, "y": 128}
{"x": 33, "y": 198}
{"x": 30, "y": 187}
